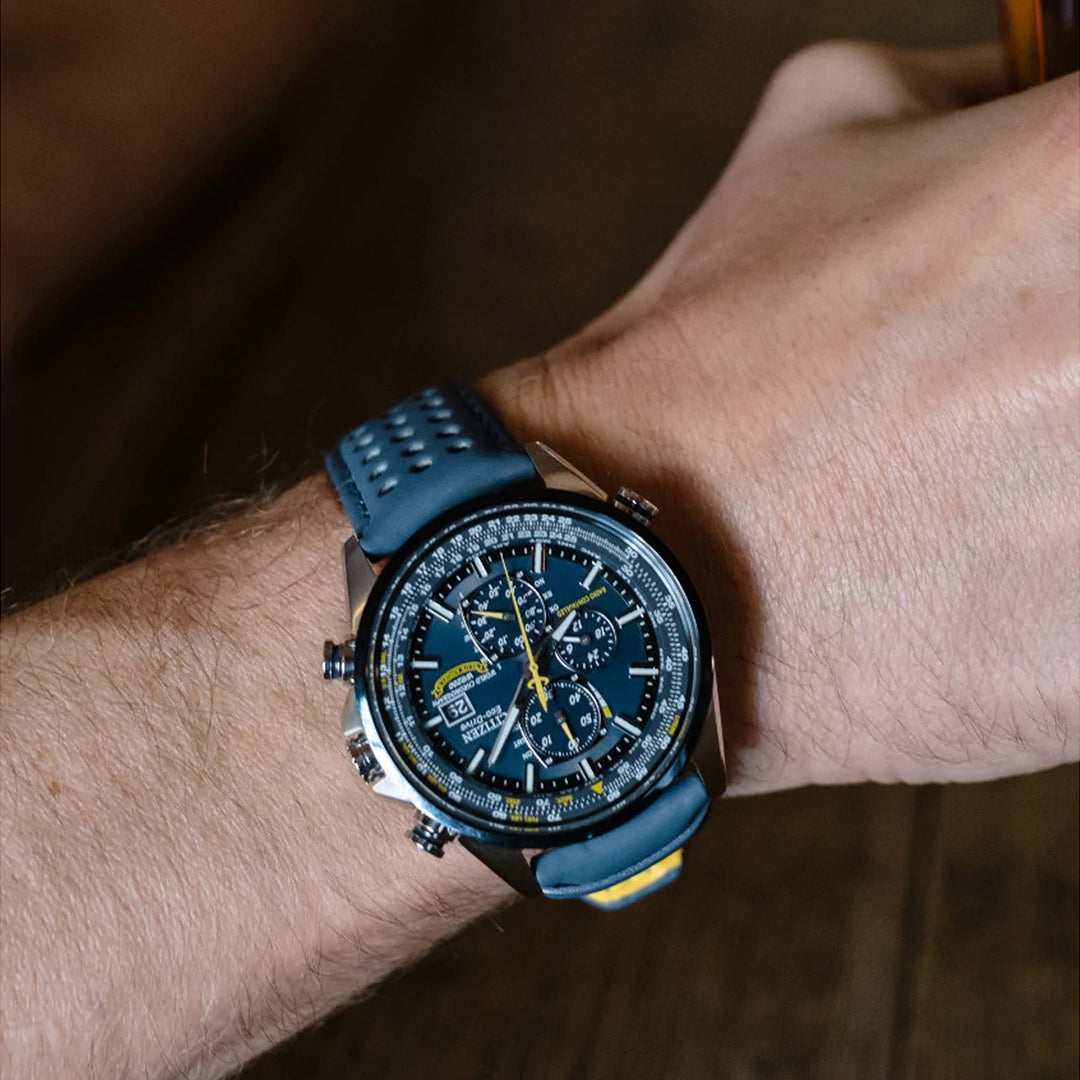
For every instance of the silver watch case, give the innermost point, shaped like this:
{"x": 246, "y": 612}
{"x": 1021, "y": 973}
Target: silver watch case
{"x": 358, "y": 724}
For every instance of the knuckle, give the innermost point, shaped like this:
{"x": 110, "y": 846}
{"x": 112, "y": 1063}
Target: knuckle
{"x": 825, "y": 61}
{"x": 842, "y": 80}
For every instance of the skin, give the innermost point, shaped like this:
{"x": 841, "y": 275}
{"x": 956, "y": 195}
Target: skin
{"x": 853, "y": 385}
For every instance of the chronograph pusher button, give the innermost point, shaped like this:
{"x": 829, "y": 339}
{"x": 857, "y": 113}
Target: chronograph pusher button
{"x": 637, "y": 506}
{"x": 364, "y": 759}
{"x": 428, "y": 835}
{"x": 339, "y": 661}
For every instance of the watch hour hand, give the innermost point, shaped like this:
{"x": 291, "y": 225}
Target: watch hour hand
{"x": 504, "y": 731}
{"x": 512, "y": 713}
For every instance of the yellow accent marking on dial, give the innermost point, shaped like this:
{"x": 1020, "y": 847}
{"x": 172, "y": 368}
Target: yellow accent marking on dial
{"x": 564, "y": 800}
{"x": 674, "y": 725}
{"x": 400, "y": 678}
{"x": 510, "y": 801}
{"x": 491, "y": 614}
{"x": 382, "y": 659}
{"x": 606, "y": 710}
{"x": 642, "y": 880}
{"x": 581, "y": 601}
{"x": 447, "y": 677}
{"x": 409, "y": 752}
{"x": 437, "y": 783}
{"x": 598, "y": 786}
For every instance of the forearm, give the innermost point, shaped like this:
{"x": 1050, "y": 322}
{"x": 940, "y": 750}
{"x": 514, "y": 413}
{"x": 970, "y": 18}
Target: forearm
{"x": 191, "y": 869}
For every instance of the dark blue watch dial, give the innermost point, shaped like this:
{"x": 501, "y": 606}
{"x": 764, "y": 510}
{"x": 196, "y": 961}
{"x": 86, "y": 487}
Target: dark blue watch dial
{"x": 535, "y": 667}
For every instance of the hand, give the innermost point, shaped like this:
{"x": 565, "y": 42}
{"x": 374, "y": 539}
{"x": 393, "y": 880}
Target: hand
{"x": 853, "y": 383}
{"x": 537, "y": 681}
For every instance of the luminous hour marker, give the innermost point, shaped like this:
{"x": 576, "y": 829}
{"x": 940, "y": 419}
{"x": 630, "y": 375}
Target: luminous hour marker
{"x": 425, "y": 663}
{"x": 475, "y": 763}
{"x": 530, "y": 777}
{"x": 625, "y": 725}
{"x": 590, "y": 577}
{"x": 643, "y": 672}
{"x": 586, "y": 769}
{"x": 440, "y": 611}
{"x": 539, "y": 558}
{"x": 560, "y": 631}
{"x": 481, "y": 566}
{"x": 434, "y": 722}
{"x": 629, "y": 616}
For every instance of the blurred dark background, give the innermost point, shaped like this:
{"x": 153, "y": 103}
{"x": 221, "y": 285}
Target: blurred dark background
{"x": 445, "y": 189}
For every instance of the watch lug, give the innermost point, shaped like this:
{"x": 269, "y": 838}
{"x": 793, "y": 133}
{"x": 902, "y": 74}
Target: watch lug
{"x": 556, "y": 472}
{"x": 708, "y": 755}
{"x": 509, "y": 863}
{"x": 359, "y": 579}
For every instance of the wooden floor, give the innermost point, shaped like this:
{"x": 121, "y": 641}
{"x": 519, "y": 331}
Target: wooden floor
{"x": 458, "y": 186}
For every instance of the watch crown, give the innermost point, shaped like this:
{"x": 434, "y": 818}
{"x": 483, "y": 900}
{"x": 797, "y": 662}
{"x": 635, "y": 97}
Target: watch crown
{"x": 428, "y": 835}
{"x": 339, "y": 661}
{"x": 637, "y": 506}
{"x": 364, "y": 759}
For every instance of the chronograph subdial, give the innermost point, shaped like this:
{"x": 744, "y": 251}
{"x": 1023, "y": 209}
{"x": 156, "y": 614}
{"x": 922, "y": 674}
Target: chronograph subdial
{"x": 590, "y": 642}
{"x": 571, "y": 723}
{"x": 492, "y": 622}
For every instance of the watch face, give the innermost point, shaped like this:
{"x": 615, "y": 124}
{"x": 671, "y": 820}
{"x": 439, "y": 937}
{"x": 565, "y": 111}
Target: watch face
{"x": 534, "y": 668}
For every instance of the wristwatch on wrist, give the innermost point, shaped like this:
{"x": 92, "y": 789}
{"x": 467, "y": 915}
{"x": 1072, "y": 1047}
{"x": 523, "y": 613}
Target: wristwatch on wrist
{"x": 530, "y": 666}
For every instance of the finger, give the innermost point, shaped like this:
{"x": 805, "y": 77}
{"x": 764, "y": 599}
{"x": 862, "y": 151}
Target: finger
{"x": 838, "y": 83}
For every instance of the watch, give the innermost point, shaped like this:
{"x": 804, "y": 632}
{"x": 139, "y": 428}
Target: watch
{"x": 530, "y": 667}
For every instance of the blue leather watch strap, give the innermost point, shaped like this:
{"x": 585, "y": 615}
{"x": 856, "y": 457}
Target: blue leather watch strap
{"x": 659, "y": 830}
{"x": 431, "y": 452}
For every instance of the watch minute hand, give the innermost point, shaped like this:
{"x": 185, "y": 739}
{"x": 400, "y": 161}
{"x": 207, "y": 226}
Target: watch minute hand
{"x": 512, "y": 713}
{"x": 537, "y": 681}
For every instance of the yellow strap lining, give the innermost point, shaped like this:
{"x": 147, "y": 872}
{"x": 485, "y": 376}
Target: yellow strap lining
{"x": 641, "y": 880}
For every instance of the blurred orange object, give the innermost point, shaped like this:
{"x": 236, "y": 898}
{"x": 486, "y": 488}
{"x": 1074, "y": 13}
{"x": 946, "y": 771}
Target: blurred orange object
{"x": 1040, "y": 38}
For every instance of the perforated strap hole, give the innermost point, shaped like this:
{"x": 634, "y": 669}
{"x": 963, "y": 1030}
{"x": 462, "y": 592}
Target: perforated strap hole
{"x": 362, "y": 438}
{"x": 433, "y": 402}
{"x": 439, "y": 415}
{"x": 395, "y": 420}
{"x": 388, "y": 486}
{"x": 421, "y": 464}
{"x": 378, "y": 471}
{"x": 459, "y": 446}
{"x": 413, "y": 449}
{"x": 448, "y": 432}
{"x": 402, "y": 434}
{"x": 371, "y": 455}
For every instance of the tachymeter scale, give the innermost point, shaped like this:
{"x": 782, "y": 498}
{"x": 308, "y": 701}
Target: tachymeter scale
{"x": 442, "y": 699}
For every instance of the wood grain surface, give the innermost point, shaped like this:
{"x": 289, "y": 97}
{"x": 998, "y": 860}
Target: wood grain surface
{"x": 454, "y": 187}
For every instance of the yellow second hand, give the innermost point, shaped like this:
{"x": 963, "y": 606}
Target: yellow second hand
{"x": 537, "y": 680}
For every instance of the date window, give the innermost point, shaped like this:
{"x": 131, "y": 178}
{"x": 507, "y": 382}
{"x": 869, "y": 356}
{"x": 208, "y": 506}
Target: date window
{"x": 460, "y": 708}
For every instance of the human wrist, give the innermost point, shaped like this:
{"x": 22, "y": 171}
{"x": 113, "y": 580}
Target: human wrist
{"x": 732, "y": 516}
{"x": 184, "y": 793}
{"x": 597, "y": 406}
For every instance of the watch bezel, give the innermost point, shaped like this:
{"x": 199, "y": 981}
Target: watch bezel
{"x": 376, "y": 726}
